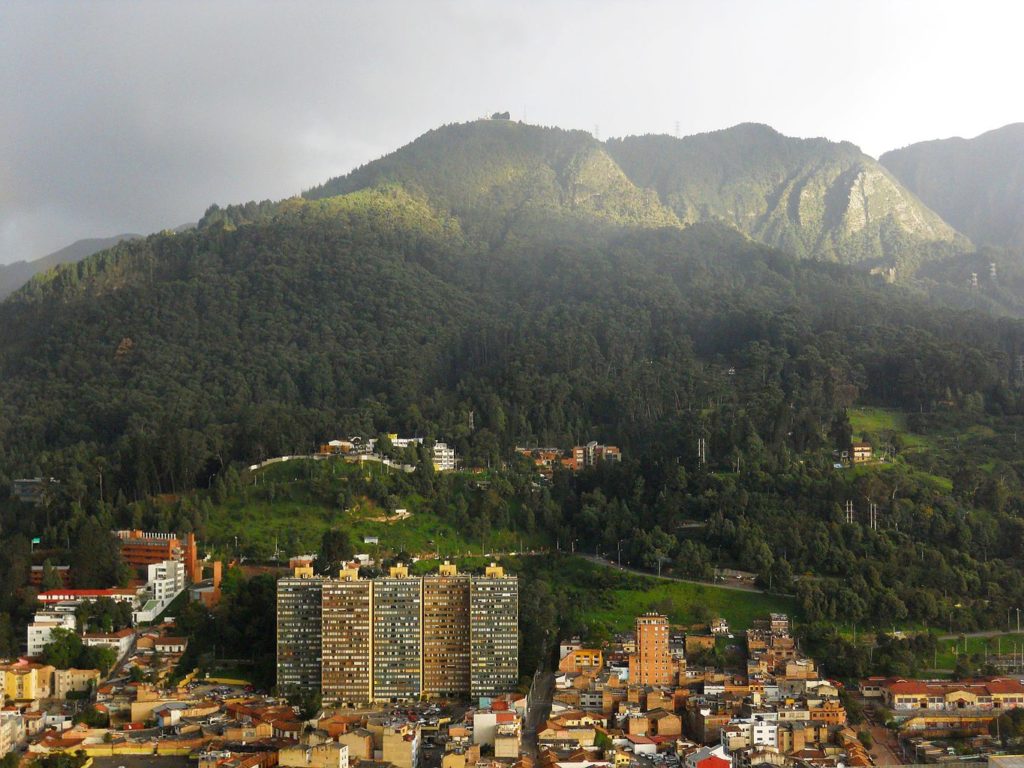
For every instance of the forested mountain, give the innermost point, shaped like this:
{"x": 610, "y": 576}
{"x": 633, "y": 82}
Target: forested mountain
{"x": 809, "y": 197}
{"x": 977, "y": 185}
{"x": 496, "y": 176}
{"x": 495, "y": 291}
{"x": 275, "y": 325}
{"x": 13, "y": 276}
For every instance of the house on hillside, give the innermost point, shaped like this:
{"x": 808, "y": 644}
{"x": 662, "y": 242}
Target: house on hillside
{"x": 860, "y": 452}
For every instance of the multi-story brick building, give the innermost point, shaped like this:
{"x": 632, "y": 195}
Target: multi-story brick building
{"x": 347, "y": 638}
{"x": 398, "y": 637}
{"x": 141, "y": 549}
{"x": 652, "y": 663}
{"x": 446, "y": 634}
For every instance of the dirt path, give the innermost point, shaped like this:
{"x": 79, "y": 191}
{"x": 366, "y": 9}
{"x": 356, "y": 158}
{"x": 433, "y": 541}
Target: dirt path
{"x": 718, "y": 584}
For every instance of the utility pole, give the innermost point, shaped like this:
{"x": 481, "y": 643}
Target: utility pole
{"x": 849, "y": 511}
{"x": 702, "y": 451}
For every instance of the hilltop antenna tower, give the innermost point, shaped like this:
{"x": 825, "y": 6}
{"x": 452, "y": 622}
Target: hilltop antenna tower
{"x": 677, "y": 129}
{"x": 597, "y": 131}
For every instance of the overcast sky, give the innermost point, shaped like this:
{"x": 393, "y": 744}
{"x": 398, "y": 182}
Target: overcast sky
{"x": 135, "y": 116}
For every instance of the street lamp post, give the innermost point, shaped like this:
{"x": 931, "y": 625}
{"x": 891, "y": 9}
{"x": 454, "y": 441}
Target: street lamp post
{"x": 618, "y": 552}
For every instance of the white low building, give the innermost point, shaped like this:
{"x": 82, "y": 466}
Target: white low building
{"x": 120, "y": 642}
{"x": 40, "y": 631}
{"x": 164, "y": 582}
{"x": 444, "y": 457}
{"x": 12, "y": 731}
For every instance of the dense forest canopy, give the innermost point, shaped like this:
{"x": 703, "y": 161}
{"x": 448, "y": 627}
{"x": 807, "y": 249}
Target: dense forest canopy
{"x": 504, "y": 286}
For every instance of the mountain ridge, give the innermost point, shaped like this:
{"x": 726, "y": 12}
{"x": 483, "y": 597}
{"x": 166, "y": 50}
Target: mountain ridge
{"x": 813, "y": 197}
{"x": 976, "y": 184}
{"x": 16, "y": 274}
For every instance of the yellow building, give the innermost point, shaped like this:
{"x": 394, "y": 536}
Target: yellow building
{"x": 582, "y": 660}
{"x": 67, "y": 681}
{"x": 328, "y": 755}
{"x": 466, "y": 757}
{"x": 400, "y": 745}
{"x": 27, "y": 682}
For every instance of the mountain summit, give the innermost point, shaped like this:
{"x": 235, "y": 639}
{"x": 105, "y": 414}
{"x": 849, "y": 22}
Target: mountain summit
{"x": 812, "y": 197}
{"x": 496, "y": 174}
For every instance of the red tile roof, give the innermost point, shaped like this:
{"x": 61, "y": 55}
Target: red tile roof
{"x": 714, "y": 761}
{"x": 998, "y": 685}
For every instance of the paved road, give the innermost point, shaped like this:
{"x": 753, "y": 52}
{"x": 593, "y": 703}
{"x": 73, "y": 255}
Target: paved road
{"x": 541, "y": 693}
{"x": 884, "y": 750}
{"x": 986, "y": 633}
{"x": 719, "y": 585}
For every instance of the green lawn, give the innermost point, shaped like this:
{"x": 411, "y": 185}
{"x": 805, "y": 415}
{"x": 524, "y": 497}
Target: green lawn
{"x": 880, "y": 421}
{"x": 947, "y": 656}
{"x": 682, "y": 602}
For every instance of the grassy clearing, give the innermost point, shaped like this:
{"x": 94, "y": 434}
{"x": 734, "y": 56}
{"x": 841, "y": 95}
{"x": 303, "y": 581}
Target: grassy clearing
{"x": 301, "y": 524}
{"x": 291, "y": 504}
{"x": 629, "y": 595}
{"x": 885, "y": 425}
{"x": 883, "y": 422}
{"x": 949, "y": 650}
